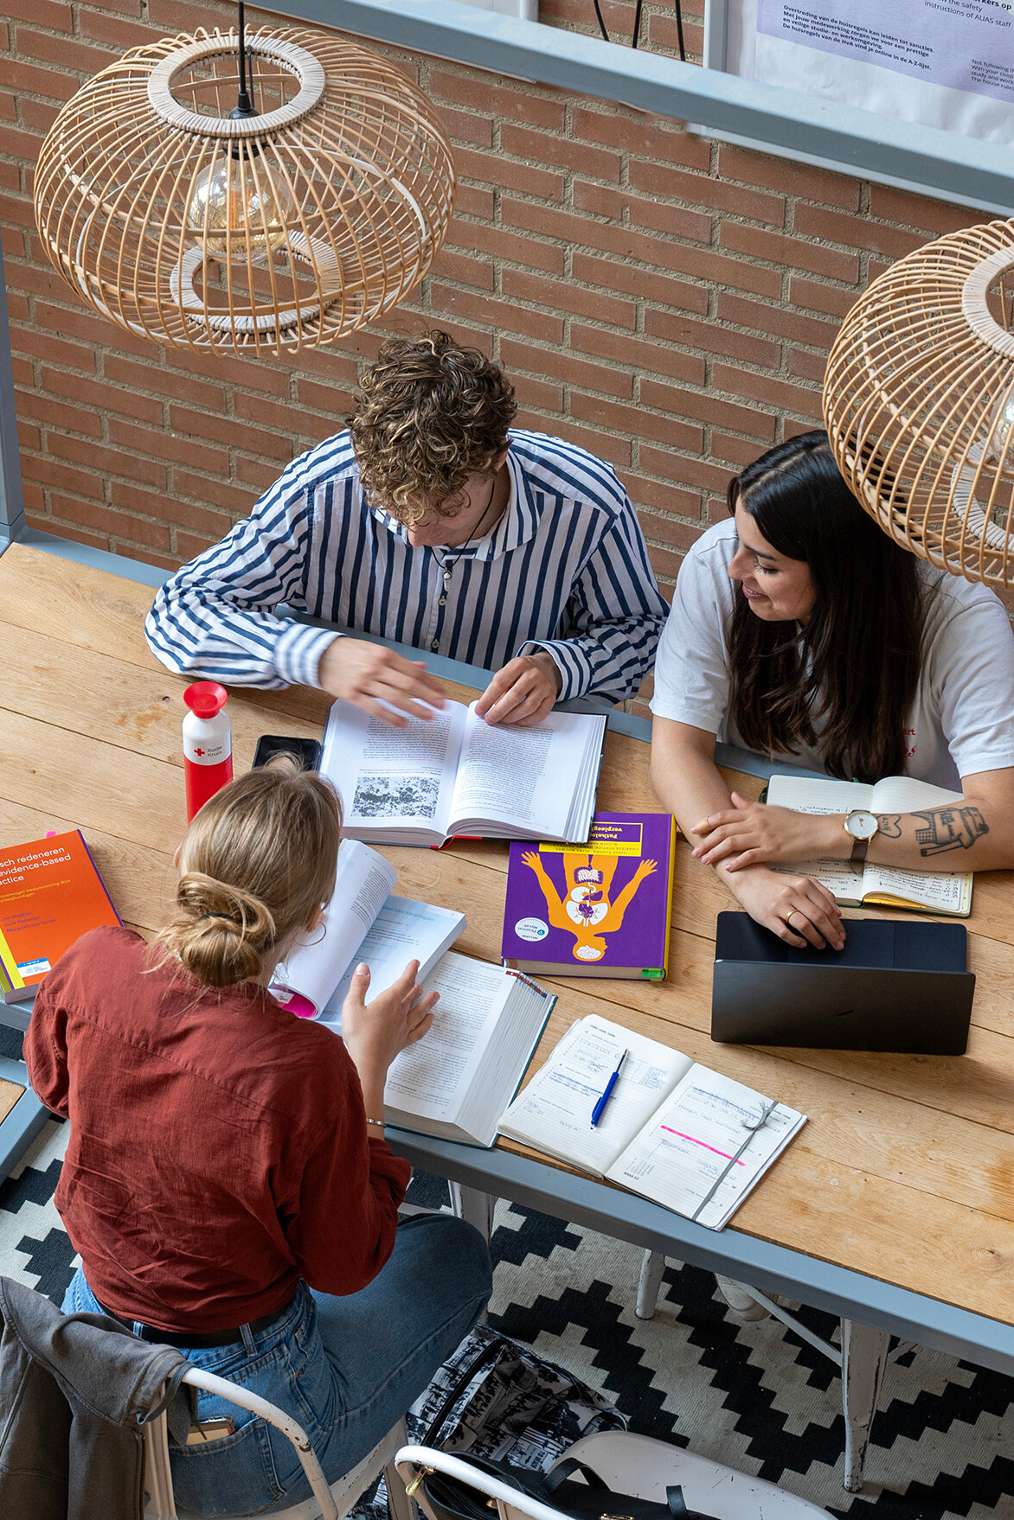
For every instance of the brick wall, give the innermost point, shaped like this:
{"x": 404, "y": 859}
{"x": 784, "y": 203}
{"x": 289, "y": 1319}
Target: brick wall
{"x": 663, "y": 300}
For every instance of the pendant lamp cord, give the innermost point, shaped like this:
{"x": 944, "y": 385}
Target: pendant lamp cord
{"x": 244, "y": 101}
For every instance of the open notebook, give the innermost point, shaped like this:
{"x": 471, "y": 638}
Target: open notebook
{"x": 457, "y": 1080}
{"x": 364, "y": 922}
{"x": 859, "y": 885}
{"x": 455, "y": 774}
{"x": 674, "y": 1131}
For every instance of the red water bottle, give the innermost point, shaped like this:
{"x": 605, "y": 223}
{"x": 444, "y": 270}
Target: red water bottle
{"x": 207, "y": 743}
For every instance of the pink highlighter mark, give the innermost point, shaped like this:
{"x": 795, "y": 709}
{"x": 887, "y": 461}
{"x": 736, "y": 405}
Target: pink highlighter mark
{"x": 694, "y": 1141}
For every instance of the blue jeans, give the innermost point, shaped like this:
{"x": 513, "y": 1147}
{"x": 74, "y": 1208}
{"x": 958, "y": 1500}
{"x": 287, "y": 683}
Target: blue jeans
{"x": 346, "y": 1368}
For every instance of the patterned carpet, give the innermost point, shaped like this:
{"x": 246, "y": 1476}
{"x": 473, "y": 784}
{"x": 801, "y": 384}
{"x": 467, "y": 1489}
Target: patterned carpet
{"x": 753, "y": 1396}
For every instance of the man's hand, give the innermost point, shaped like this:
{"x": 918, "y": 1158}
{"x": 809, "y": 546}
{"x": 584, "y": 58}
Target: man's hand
{"x": 368, "y": 675}
{"x": 752, "y": 834}
{"x": 524, "y": 692}
{"x": 800, "y": 911}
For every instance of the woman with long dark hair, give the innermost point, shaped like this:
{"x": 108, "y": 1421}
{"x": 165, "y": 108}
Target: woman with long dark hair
{"x": 801, "y": 631}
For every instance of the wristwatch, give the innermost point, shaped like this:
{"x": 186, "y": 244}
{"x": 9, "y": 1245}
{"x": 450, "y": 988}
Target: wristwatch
{"x": 861, "y": 826}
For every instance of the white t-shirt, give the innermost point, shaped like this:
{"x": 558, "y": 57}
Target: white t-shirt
{"x": 962, "y": 718}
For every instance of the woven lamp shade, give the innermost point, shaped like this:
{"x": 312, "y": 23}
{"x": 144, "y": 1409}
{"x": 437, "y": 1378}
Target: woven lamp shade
{"x": 919, "y": 402}
{"x": 280, "y": 230}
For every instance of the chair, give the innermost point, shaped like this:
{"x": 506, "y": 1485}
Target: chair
{"x": 328, "y": 1503}
{"x": 633, "y": 1465}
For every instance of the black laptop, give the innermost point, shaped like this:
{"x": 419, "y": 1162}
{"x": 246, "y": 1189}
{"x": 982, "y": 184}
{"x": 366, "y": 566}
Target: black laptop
{"x": 899, "y": 986}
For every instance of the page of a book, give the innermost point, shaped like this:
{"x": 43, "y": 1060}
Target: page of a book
{"x": 938, "y": 891}
{"x": 512, "y": 776}
{"x": 404, "y": 930}
{"x": 394, "y": 780}
{"x": 706, "y": 1147}
{"x": 553, "y": 1113}
{"x": 362, "y": 885}
{"x": 457, "y": 1080}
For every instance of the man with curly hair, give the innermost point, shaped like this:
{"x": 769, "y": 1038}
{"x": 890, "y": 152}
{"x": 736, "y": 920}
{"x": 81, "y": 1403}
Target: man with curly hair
{"x": 432, "y": 522}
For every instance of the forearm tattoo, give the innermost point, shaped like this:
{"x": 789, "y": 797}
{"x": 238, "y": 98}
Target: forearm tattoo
{"x": 890, "y": 825}
{"x": 950, "y": 828}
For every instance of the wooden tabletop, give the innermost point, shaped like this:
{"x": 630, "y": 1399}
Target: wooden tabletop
{"x": 906, "y": 1168}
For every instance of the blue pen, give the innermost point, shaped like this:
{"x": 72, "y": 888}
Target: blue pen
{"x": 600, "y": 1106}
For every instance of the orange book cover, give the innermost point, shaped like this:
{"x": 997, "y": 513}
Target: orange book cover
{"x": 50, "y": 894}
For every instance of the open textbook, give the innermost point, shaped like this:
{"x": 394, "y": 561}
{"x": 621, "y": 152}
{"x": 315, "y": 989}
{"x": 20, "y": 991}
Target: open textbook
{"x": 674, "y": 1131}
{"x": 457, "y": 1080}
{"x": 863, "y": 884}
{"x": 364, "y": 922}
{"x": 455, "y": 774}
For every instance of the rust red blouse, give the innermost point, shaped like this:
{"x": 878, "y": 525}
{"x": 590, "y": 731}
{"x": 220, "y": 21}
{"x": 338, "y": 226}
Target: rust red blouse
{"x": 218, "y": 1147}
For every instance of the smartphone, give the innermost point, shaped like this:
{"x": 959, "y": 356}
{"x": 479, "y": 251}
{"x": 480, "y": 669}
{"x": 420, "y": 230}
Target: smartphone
{"x": 306, "y": 751}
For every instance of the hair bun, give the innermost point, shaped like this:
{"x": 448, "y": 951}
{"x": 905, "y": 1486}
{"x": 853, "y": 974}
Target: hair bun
{"x": 224, "y": 930}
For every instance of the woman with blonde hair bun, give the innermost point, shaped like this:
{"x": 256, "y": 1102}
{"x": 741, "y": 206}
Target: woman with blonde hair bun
{"x": 227, "y": 1183}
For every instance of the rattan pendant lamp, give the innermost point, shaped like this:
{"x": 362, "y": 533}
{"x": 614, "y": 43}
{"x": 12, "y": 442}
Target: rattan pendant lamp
{"x": 244, "y": 192}
{"x": 919, "y": 402}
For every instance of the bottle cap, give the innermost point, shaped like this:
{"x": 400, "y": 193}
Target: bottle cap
{"x": 205, "y": 698}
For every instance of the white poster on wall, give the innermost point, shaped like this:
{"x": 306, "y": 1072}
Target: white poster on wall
{"x": 946, "y": 63}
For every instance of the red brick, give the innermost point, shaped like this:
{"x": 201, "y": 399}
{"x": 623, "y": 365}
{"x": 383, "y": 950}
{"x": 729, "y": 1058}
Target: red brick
{"x": 808, "y": 366}
{"x": 933, "y": 217}
{"x": 58, "y": 415}
{"x": 38, "y": 116}
{"x": 164, "y": 382}
{"x": 127, "y": 526}
{"x": 18, "y": 208}
{"x": 148, "y": 471}
{"x": 816, "y": 297}
{"x": 111, "y": 398}
{"x": 688, "y": 472}
{"x": 255, "y": 473}
{"x": 56, "y": 17}
{"x": 67, "y": 530}
{"x": 465, "y": 269}
{"x": 779, "y": 321}
{"x": 789, "y": 251}
{"x": 498, "y": 315}
{"x": 709, "y": 265}
{"x": 782, "y": 174}
{"x": 617, "y": 451}
{"x": 702, "y": 190}
{"x": 470, "y": 200}
{"x": 641, "y": 211}
{"x": 485, "y": 239}
{"x": 82, "y": 322}
{"x": 652, "y": 357}
{"x": 234, "y": 501}
{"x": 263, "y": 374}
{"x": 569, "y": 297}
{"x": 464, "y": 127}
{"x": 118, "y": 32}
{"x": 736, "y": 451}
{"x": 680, "y": 533}
{"x": 709, "y": 409}
{"x": 641, "y": 134}
{"x": 163, "y": 445}
{"x": 190, "y": 545}
{"x": 130, "y": 498}
{"x": 497, "y": 100}
{"x": 493, "y": 168}
{"x": 566, "y": 368}
{"x": 550, "y": 221}
{"x": 855, "y": 231}
{"x": 334, "y": 401}
{"x": 662, "y": 495}
{"x": 635, "y": 421}
{"x": 279, "y": 433}
{"x": 770, "y": 392}
{"x": 178, "y": 17}
{"x": 63, "y": 477}
{"x": 665, "y": 563}
{"x": 645, "y": 286}
{"x": 536, "y": 395}
{"x": 29, "y": 438}
{"x": 8, "y": 106}
{"x": 57, "y": 350}
{"x": 677, "y": 328}
{"x": 557, "y": 151}
{"x": 50, "y": 49}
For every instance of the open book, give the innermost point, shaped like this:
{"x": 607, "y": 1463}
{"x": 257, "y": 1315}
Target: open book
{"x": 457, "y": 1080}
{"x": 363, "y": 922}
{"x": 892, "y": 886}
{"x": 455, "y": 774}
{"x": 674, "y": 1131}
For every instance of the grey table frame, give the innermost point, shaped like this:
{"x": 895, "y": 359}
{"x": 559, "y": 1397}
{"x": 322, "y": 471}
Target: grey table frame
{"x": 870, "y": 1310}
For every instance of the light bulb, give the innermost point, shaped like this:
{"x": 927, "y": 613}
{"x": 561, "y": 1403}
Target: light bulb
{"x": 999, "y": 441}
{"x": 230, "y": 197}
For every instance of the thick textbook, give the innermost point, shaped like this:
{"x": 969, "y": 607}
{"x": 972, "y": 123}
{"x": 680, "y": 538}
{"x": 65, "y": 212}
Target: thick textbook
{"x": 602, "y": 908}
{"x": 50, "y": 894}
{"x": 673, "y": 1131}
{"x": 870, "y": 884}
{"x": 454, "y": 773}
{"x": 364, "y": 922}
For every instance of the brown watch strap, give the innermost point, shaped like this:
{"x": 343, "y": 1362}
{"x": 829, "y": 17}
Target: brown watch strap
{"x": 859, "y": 850}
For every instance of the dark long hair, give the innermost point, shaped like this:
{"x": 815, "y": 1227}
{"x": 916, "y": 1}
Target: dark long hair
{"x": 846, "y": 678}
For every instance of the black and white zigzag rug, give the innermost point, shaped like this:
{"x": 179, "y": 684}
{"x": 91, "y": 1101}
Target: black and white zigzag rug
{"x": 753, "y": 1396}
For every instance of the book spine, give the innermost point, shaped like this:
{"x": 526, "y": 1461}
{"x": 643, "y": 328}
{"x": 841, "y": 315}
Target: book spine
{"x": 12, "y": 979}
{"x": 670, "y": 894}
{"x": 98, "y": 875}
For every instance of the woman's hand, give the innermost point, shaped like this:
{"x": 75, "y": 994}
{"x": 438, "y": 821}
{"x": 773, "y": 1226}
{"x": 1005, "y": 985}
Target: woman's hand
{"x": 374, "y": 1035}
{"x": 799, "y": 910}
{"x": 753, "y": 834}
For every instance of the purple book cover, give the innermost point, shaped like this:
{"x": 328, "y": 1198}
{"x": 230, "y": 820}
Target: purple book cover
{"x": 605, "y": 904}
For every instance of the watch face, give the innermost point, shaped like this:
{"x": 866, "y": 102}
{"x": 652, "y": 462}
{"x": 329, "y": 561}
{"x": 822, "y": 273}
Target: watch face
{"x": 861, "y": 824}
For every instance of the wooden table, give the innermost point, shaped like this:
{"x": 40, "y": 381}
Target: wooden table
{"x": 894, "y": 1208}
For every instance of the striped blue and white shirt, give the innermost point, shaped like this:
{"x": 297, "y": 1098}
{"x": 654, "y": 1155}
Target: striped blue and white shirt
{"x": 565, "y": 569}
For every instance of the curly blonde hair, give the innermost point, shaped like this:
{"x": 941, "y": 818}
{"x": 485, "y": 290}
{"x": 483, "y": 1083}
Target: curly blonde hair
{"x": 257, "y": 862}
{"x": 429, "y": 414}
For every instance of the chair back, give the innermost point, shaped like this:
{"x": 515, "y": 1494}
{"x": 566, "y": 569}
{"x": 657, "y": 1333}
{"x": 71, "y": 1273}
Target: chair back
{"x": 416, "y": 1462}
